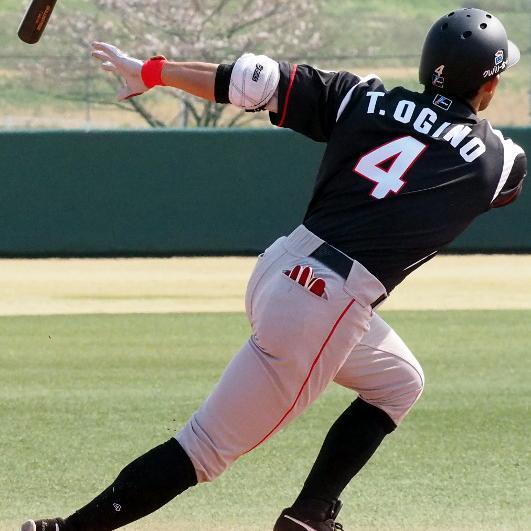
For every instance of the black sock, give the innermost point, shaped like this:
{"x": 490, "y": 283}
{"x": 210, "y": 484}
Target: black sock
{"x": 349, "y": 444}
{"x": 141, "y": 488}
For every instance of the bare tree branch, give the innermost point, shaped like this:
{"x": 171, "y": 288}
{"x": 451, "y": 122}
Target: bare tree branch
{"x": 251, "y": 22}
{"x": 148, "y": 117}
{"x": 215, "y": 12}
{"x": 201, "y": 30}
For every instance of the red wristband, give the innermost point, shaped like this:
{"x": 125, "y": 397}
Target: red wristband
{"x": 152, "y": 71}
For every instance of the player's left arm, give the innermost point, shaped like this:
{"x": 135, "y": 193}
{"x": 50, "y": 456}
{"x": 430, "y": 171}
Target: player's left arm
{"x": 510, "y": 188}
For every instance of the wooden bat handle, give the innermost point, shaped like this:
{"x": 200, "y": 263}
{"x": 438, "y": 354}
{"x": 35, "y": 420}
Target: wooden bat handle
{"x": 35, "y": 20}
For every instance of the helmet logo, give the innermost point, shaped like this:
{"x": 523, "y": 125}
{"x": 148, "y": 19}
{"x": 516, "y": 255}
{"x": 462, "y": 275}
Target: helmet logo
{"x": 437, "y": 78}
{"x": 500, "y": 64}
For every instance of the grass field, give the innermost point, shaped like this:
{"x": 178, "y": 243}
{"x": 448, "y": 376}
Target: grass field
{"x": 82, "y": 395}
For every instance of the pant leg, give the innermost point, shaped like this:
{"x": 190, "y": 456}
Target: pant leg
{"x": 383, "y": 370}
{"x": 299, "y": 342}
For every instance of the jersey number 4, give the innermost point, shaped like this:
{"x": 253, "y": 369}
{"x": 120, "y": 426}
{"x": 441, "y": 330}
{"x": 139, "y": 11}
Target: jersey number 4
{"x": 387, "y": 164}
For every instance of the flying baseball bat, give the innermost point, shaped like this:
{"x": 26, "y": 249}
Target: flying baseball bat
{"x": 35, "y": 20}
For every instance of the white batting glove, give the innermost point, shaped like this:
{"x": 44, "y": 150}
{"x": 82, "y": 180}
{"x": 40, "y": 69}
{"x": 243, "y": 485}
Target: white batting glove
{"x": 130, "y": 69}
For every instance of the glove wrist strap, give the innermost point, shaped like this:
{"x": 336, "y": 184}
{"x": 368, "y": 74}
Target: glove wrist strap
{"x": 152, "y": 71}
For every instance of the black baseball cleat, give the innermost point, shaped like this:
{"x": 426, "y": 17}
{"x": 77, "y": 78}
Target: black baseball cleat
{"x": 309, "y": 519}
{"x": 52, "y": 524}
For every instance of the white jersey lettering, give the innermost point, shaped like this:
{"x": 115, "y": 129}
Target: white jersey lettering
{"x": 440, "y": 129}
{"x": 404, "y": 111}
{"x": 473, "y": 149}
{"x": 425, "y": 120}
{"x": 373, "y": 99}
{"x": 457, "y": 134}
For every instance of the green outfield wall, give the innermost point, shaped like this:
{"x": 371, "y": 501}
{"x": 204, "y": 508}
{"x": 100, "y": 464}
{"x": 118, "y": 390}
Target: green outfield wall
{"x": 150, "y": 193}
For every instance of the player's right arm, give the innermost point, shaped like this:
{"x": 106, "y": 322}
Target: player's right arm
{"x": 299, "y": 97}
{"x": 139, "y": 76}
{"x": 250, "y": 83}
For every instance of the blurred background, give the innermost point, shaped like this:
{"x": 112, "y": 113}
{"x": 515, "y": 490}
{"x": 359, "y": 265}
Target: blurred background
{"x": 55, "y": 84}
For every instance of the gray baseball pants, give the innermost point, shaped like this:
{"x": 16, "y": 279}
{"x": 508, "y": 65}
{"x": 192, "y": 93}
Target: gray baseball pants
{"x": 300, "y": 343}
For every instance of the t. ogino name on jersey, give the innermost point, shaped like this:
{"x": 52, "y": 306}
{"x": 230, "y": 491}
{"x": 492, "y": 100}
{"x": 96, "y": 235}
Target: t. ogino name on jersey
{"x": 426, "y": 121}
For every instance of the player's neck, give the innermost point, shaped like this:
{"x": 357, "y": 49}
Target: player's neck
{"x": 485, "y": 94}
{"x": 475, "y": 104}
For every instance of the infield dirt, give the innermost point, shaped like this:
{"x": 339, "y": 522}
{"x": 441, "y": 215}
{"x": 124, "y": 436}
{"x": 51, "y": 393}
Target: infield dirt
{"x": 81, "y": 286}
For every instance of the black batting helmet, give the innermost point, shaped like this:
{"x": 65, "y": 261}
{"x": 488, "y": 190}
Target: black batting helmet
{"x": 463, "y": 50}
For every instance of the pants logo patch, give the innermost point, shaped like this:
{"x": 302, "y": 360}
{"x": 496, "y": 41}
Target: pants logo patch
{"x": 304, "y": 276}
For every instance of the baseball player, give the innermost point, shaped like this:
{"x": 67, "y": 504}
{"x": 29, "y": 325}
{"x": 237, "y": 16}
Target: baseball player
{"x": 403, "y": 174}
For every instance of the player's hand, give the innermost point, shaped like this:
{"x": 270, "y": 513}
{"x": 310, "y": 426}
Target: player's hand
{"x": 128, "y": 68}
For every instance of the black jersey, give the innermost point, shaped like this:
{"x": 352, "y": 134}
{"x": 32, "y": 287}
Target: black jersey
{"x": 403, "y": 173}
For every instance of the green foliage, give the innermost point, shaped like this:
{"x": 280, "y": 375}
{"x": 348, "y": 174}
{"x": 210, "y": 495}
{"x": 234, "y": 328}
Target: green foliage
{"x": 397, "y": 28}
{"x": 83, "y": 395}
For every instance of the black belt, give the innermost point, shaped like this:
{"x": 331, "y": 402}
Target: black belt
{"x": 339, "y": 263}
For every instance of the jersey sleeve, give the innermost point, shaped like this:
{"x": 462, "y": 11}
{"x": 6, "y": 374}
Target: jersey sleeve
{"x": 513, "y": 175}
{"x": 309, "y": 99}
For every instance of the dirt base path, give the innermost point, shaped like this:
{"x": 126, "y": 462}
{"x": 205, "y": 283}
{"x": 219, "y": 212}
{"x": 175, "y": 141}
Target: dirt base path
{"x": 39, "y": 287}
